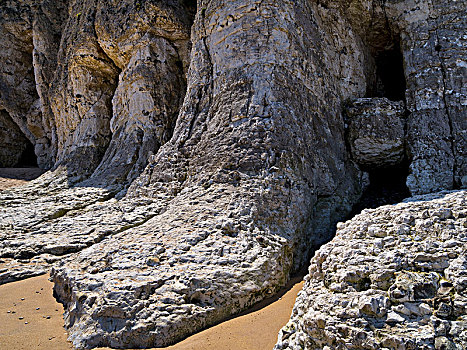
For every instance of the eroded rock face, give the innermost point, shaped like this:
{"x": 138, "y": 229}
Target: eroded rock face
{"x": 224, "y": 239}
{"x": 394, "y": 277}
{"x": 376, "y": 132}
{"x": 150, "y": 44}
{"x": 434, "y": 60}
{"x": 222, "y": 196}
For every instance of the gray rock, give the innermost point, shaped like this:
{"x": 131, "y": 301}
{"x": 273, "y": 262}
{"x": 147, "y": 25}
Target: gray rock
{"x": 376, "y": 132}
{"x": 373, "y": 293}
{"x": 192, "y": 174}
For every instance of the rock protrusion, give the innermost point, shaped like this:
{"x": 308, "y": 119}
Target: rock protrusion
{"x": 376, "y": 132}
{"x": 393, "y": 277}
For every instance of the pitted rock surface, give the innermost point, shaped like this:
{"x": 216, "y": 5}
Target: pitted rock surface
{"x": 198, "y": 151}
{"x": 392, "y": 278}
{"x": 376, "y": 132}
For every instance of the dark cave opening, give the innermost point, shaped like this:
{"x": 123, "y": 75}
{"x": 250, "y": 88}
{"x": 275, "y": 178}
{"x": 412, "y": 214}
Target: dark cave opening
{"x": 390, "y": 73}
{"x": 389, "y": 78}
{"x": 191, "y": 6}
{"x": 28, "y": 157}
{"x": 387, "y": 186}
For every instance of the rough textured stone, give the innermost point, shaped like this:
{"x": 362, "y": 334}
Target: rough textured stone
{"x": 376, "y": 132}
{"x": 435, "y": 56}
{"x": 221, "y": 241}
{"x": 394, "y": 277}
{"x": 161, "y": 217}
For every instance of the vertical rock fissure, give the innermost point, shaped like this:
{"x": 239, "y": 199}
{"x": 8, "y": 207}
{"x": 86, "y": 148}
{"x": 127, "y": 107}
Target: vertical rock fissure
{"x": 378, "y": 127}
{"x": 207, "y": 88}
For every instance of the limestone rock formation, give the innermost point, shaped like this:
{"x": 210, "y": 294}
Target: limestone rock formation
{"x": 393, "y": 278}
{"x": 198, "y": 150}
{"x": 376, "y": 132}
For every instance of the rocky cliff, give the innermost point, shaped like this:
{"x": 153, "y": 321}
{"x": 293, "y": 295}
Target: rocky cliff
{"x": 199, "y": 151}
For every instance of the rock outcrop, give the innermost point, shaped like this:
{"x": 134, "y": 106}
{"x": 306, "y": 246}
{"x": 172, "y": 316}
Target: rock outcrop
{"x": 393, "y": 278}
{"x": 199, "y": 151}
{"x": 376, "y": 132}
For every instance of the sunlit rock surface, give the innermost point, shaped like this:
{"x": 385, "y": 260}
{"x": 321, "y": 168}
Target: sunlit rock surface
{"x": 393, "y": 278}
{"x": 199, "y": 151}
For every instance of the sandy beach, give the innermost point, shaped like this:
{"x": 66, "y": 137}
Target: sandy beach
{"x": 31, "y": 318}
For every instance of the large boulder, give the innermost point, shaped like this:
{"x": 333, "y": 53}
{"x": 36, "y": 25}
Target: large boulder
{"x": 393, "y": 278}
{"x": 376, "y": 132}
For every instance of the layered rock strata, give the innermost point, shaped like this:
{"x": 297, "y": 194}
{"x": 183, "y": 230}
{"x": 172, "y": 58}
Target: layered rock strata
{"x": 161, "y": 217}
{"x": 393, "y": 278}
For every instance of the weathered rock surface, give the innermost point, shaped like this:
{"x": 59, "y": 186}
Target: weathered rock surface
{"x": 18, "y": 93}
{"x": 221, "y": 240}
{"x": 435, "y": 56}
{"x": 376, "y": 132}
{"x": 393, "y": 278}
{"x": 192, "y": 175}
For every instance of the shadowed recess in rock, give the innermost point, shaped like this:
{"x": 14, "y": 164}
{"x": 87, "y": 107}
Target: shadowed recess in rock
{"x": 390, "y": 72}
{"x": 386, "y": 186}
{"x": 28, "y": 157}
{"x": 15, "y": 148}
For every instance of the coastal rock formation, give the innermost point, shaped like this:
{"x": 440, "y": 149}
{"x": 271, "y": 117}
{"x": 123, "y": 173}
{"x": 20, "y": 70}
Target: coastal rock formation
{"x": 198, "y": 150}
{"x": 376, "y": 132}
{"x": 393, "y": 278}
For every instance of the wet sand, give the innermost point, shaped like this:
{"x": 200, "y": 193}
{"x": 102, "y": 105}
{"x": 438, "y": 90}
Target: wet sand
{"x": 36, "y": 322}
{"x": 42, "y": 329}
